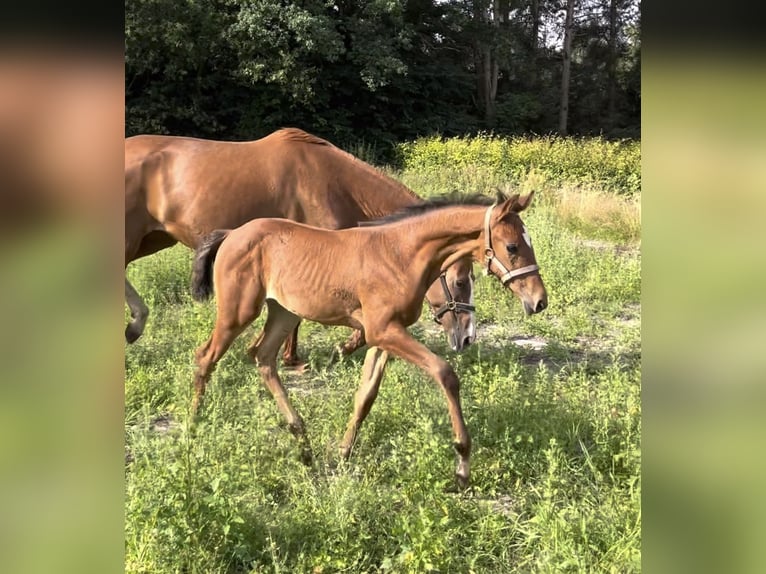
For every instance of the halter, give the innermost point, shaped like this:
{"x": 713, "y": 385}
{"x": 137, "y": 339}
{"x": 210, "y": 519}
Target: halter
{"x": 489, "y": 254}
{"x": 451, "y": 305}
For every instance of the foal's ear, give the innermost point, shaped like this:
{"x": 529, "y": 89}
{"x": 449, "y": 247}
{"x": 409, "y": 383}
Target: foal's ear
{"x": 523, "y": 202}
{"x": 515, "y": 203}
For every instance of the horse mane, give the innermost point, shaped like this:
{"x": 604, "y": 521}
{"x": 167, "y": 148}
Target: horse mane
{"x": 298, "y": 135}
{"x": 438, "y": 202}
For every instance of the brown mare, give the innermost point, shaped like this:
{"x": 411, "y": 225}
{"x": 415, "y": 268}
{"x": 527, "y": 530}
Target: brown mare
{"x": 182, "y": 189}
{"x": 372, "y": 278}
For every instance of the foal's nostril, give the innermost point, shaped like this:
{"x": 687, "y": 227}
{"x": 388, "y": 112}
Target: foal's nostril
{"x": 466, "y": 341}
{"x": 541, "y": 304}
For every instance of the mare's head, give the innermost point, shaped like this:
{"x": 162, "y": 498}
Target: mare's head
{"x": 451, "y": 301}
{"x": 507, "y": 252}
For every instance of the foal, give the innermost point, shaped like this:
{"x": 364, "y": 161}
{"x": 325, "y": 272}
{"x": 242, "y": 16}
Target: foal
{"x": 371, "y": 278}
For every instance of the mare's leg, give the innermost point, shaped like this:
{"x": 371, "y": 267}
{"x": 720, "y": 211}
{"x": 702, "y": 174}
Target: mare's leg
{"x": 137, "y": 247}
{"x": 397, "y": 341}
{"x": 138, "y": 313}
{"x": 289, "y": 356}
{"x": 354, "y": 342}
{"x": 279, "y": 324}
{"x": 372, "y": 373}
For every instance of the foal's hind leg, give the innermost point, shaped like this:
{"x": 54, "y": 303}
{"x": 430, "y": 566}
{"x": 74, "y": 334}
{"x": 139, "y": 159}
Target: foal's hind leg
{"x": 397, "y": 341}
{"x": 238, "y": 305}
{"x": 279, "y": 324}
{"x": 138, "y": 313}
{"x": 208, "y": 355}
{"x": 372, "y": 373}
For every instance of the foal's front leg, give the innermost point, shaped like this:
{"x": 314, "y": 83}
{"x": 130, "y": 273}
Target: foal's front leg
{"x": 397, "y": 341}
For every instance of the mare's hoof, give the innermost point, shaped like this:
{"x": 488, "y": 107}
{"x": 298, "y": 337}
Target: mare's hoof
{"x": 335, "y": 356}
{"x": 462, "y": 475}
{"x": 294, "y": 364}
{"x": 307, "y": 457}
{"x": 132, "y": 333}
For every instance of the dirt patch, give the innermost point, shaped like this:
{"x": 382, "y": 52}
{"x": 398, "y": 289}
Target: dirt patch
{"x": 606, "y": 246}
{"x": 503, "y": 504}
{"x": 305, "y": 383}
{"x": 534, "y": 343}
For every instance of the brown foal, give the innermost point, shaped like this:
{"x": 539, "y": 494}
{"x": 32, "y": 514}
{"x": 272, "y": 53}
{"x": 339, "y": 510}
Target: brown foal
{"x": 371, "y": 278}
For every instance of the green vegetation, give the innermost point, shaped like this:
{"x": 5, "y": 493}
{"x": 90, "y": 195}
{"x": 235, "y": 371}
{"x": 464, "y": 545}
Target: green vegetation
{"x": 589, "y": 162}
{"x": 552, "y": 403}
{"x": 379, "y": 71}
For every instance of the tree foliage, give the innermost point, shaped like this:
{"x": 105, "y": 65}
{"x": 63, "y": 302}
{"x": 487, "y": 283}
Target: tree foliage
{"x": 379, "y": 70}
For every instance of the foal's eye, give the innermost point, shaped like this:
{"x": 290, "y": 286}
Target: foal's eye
{"x": 460, "y": 283}
{"x": 512, "y": 248}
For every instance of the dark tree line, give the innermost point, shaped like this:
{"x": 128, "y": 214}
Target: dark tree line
{"x": 382, "y": 70}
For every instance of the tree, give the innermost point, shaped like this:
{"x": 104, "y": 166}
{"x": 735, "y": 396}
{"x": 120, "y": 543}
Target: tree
{"x": 566, "y": 66}
{"x": 381, "y": 70}
{"x": 175, "y": 65}
{"x": 486, "y": 20}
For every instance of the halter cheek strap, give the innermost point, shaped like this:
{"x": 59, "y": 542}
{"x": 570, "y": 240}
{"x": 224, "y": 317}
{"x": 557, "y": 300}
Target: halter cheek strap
{"x": 451, "y": 305}
{"x": 503, "y": 274}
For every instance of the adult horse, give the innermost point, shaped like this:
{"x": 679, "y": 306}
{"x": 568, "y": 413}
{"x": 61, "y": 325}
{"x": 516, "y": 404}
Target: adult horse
{"x": 181, "y": 189}
{"x": 371, "y": 278}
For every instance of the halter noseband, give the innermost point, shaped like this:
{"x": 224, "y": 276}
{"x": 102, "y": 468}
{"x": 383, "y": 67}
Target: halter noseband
{"x": 489, "y": 254}
{"x": 451, "y": 305}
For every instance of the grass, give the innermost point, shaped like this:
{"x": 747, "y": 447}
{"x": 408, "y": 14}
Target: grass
{"x": 556, "y": 428}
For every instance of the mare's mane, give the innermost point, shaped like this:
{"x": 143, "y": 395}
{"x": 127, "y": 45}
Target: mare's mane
{"x": 298, "y": 135}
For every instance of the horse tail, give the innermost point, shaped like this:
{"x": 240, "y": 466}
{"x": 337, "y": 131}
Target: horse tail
{"x": 202, "y": 268}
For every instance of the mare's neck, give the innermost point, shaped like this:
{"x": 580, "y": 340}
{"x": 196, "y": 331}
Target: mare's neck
{"x": 377, "y": 194}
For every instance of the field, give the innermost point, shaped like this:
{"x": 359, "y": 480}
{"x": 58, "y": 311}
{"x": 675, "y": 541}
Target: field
{"x": 552, "y": 403}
